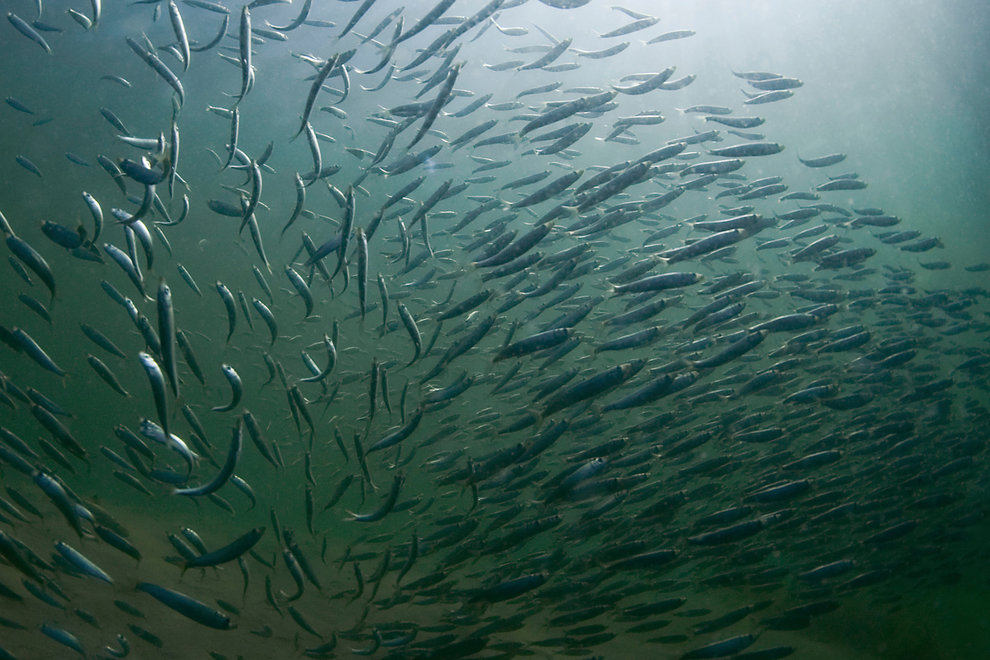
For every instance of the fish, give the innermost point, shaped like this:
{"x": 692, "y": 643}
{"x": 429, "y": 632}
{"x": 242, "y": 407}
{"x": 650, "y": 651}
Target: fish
{"x": 166, "y": 335}
{"x": 106, "y": 374}
{"x": 823, "y": 161}
{"x": 157, "y": 382}
{"x": 434, "y": 109}
{"x": 410, "y": 323}
{"x": 748, "y": 149}
{"x": 358, "y": 14}
{"x": 230, "y": 306}
{"x": 178, "y": 26}
{"x": 661, "y": 282}
{"x": 299, "y": 284}
{"x": 268, "y": 317}
{"x": 28, "y": 31}
{"x": 299, "y": 20}
{"x": 624, "y": 366}
{"x": 186, "y": 606}
{"x": 565, "y": 110}
{"x": 159, "y": 67}
{"x": 362, "y": 268}
{"x": 229, "y": 552}
{"x": 386, "y": 506}
{"x": 18, "y": 105}
{"x": 244, "y": 41}
{"x": 225, "y": 472}
{"x": 82, "y": 563}
{"x": 324, "y": 73}
{"x": 671, "y": 36}
{"x": 648, "y": 85}
{"x": 31, "y": 258}
{"x": 429, "y": 18}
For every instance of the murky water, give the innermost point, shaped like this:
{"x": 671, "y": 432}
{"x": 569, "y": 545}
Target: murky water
{"x": 818, "y": 492}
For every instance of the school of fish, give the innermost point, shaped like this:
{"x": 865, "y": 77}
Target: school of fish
{"x": 501, "y": 367}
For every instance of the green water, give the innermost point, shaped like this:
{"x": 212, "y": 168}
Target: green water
{"x": 897, "y": 87}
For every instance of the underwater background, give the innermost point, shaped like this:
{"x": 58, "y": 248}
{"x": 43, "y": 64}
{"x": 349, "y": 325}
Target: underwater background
{"x": 782, "y": 490}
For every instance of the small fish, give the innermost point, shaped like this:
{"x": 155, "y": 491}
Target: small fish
{"x": 187, "y": 606}
{"x": 236, "y": 388}
{"x": 29, "y": 166}
{"x": 225, "y": 472}
{"x": 412, "y": 329}
{"x": 18, "y": 105}
{"x": 25, "y": 29}
{"x": 386, "y": 507}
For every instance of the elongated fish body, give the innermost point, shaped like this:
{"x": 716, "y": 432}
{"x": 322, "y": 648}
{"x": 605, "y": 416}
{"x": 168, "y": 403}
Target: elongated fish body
{"x": 383, "y": 295}
{"x": 387, "y": 505}
{"x": 428, "y": 19}
{"x": 117, "y": 541}
{"x": 398, "y": 434}
{"x": 82, "y": 563}
{"x": 29, "y": 346}
{"x": 300, "y": 202}
{"x": 159, "y": 67}
{"x": 533, "y": 343}
{"x": 33, "y": 260}
{"x": 267, "y": 317}
{"x": 180, "y": 33}
{"x": 25, "y": 28}
{"x": 247, "y": 69}
{"x": 634, "y": 174}
{"x": 188, "y": 279}
{"x": 350, "y": 209}
{"x": 321, "y": 77}
{"x": 299, "y": 284}
{"x": 550, "y": 56}
{"x": 101, "y": 340}
{"x": 565, "y": 110}
{"x": 647, "y": 85}
{"x": 410, "y": 324}
{"x": 358, "y": 14}
{"x": 63, "y": 637}
{"x": 166, "y": 335}
{"x": 592, "y": 386}
{"x": 97, "y": 213}
{"x": 550, "y": 190}
{"x": 634, "y": 340}
{"x": 229, "y": 552}
{"x": 769, "y": 97}
{"x": 660, "y": 282}
{"x": 748, "y": 149}
{"x": 823, "y": 161}
{"x": 57, "y": 493}
{"x": 714, "y": 167}
{"x": 225, "y": 472}
{"x": 229, "y": 306}
{"x": 362, "y": 270}
{"x": 517, "y": 248}
{"x": 741, "y": 346}
{"x": 187, "y": 606}
{"x": 127, "y": 264}
{"x": 438, "y": 103}
{"x": 465, "y": 305}
{"x": 104, "y": 372}
{"x": 158, "y": 388}
{"x": 704, "y": 246}
{"x": 298, "y": 20}
{"x": 236, "y": 388}
{"x": 736, "y": 122}
{"x": 35, "y": 306}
